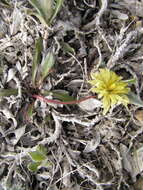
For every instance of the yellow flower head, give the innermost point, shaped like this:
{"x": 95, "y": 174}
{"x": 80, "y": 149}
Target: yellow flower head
{"x": 110, "y": 87}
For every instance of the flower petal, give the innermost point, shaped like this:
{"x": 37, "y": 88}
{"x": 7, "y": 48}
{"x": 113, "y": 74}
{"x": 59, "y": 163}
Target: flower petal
{"x": 106, "y": 104}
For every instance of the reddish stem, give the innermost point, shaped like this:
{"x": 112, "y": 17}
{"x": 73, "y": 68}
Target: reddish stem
{"x": 39, "y": 97}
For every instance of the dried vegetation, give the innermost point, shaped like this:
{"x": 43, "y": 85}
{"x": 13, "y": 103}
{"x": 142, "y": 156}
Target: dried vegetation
{"x": 52, "y": 146}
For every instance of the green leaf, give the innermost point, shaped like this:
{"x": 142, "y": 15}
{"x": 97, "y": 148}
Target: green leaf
{"x": 56, "y": 10}
{"x": 37, "y": 59}
{"x": 46, "y": 65}
{"x": 59, "y": 94}
{"x": 42, "y": 20}
{"x": 6, "y": 2}
{"x": 37, "y": 156}
{"x": 62, "y": 95}
{"x": 134, "y": 99}
{"x": 42, "y": 149}
{"x": 30, "y": 110}
{"x": 44, "y": 9}
{"x": 8, "y": 92}
{"x": 47, "y": 7}
{"x": 67, "y": 48}
{"x": 37, "y": 5}
{"x": 1, "y": 70}
{"x": 130, "y": 81}
{"x": 33, "y": 166}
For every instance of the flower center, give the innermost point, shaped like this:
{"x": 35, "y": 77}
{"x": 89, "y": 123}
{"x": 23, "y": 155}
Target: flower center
{"x": 110, "y": 88}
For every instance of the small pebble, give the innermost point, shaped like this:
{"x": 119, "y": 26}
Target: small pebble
{"x": 139, "y": 116}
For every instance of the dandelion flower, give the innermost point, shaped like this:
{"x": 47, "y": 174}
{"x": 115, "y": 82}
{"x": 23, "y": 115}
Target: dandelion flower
{"x": 110, "y": 88}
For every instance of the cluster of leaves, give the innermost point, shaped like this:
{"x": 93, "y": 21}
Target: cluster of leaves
{"x": 46, "y": 10}
{"x": 39, "y": 158}
{"x": 40, "y": 69}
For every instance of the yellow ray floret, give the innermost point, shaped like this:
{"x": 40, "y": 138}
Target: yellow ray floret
{"x": 110, "y": 87}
